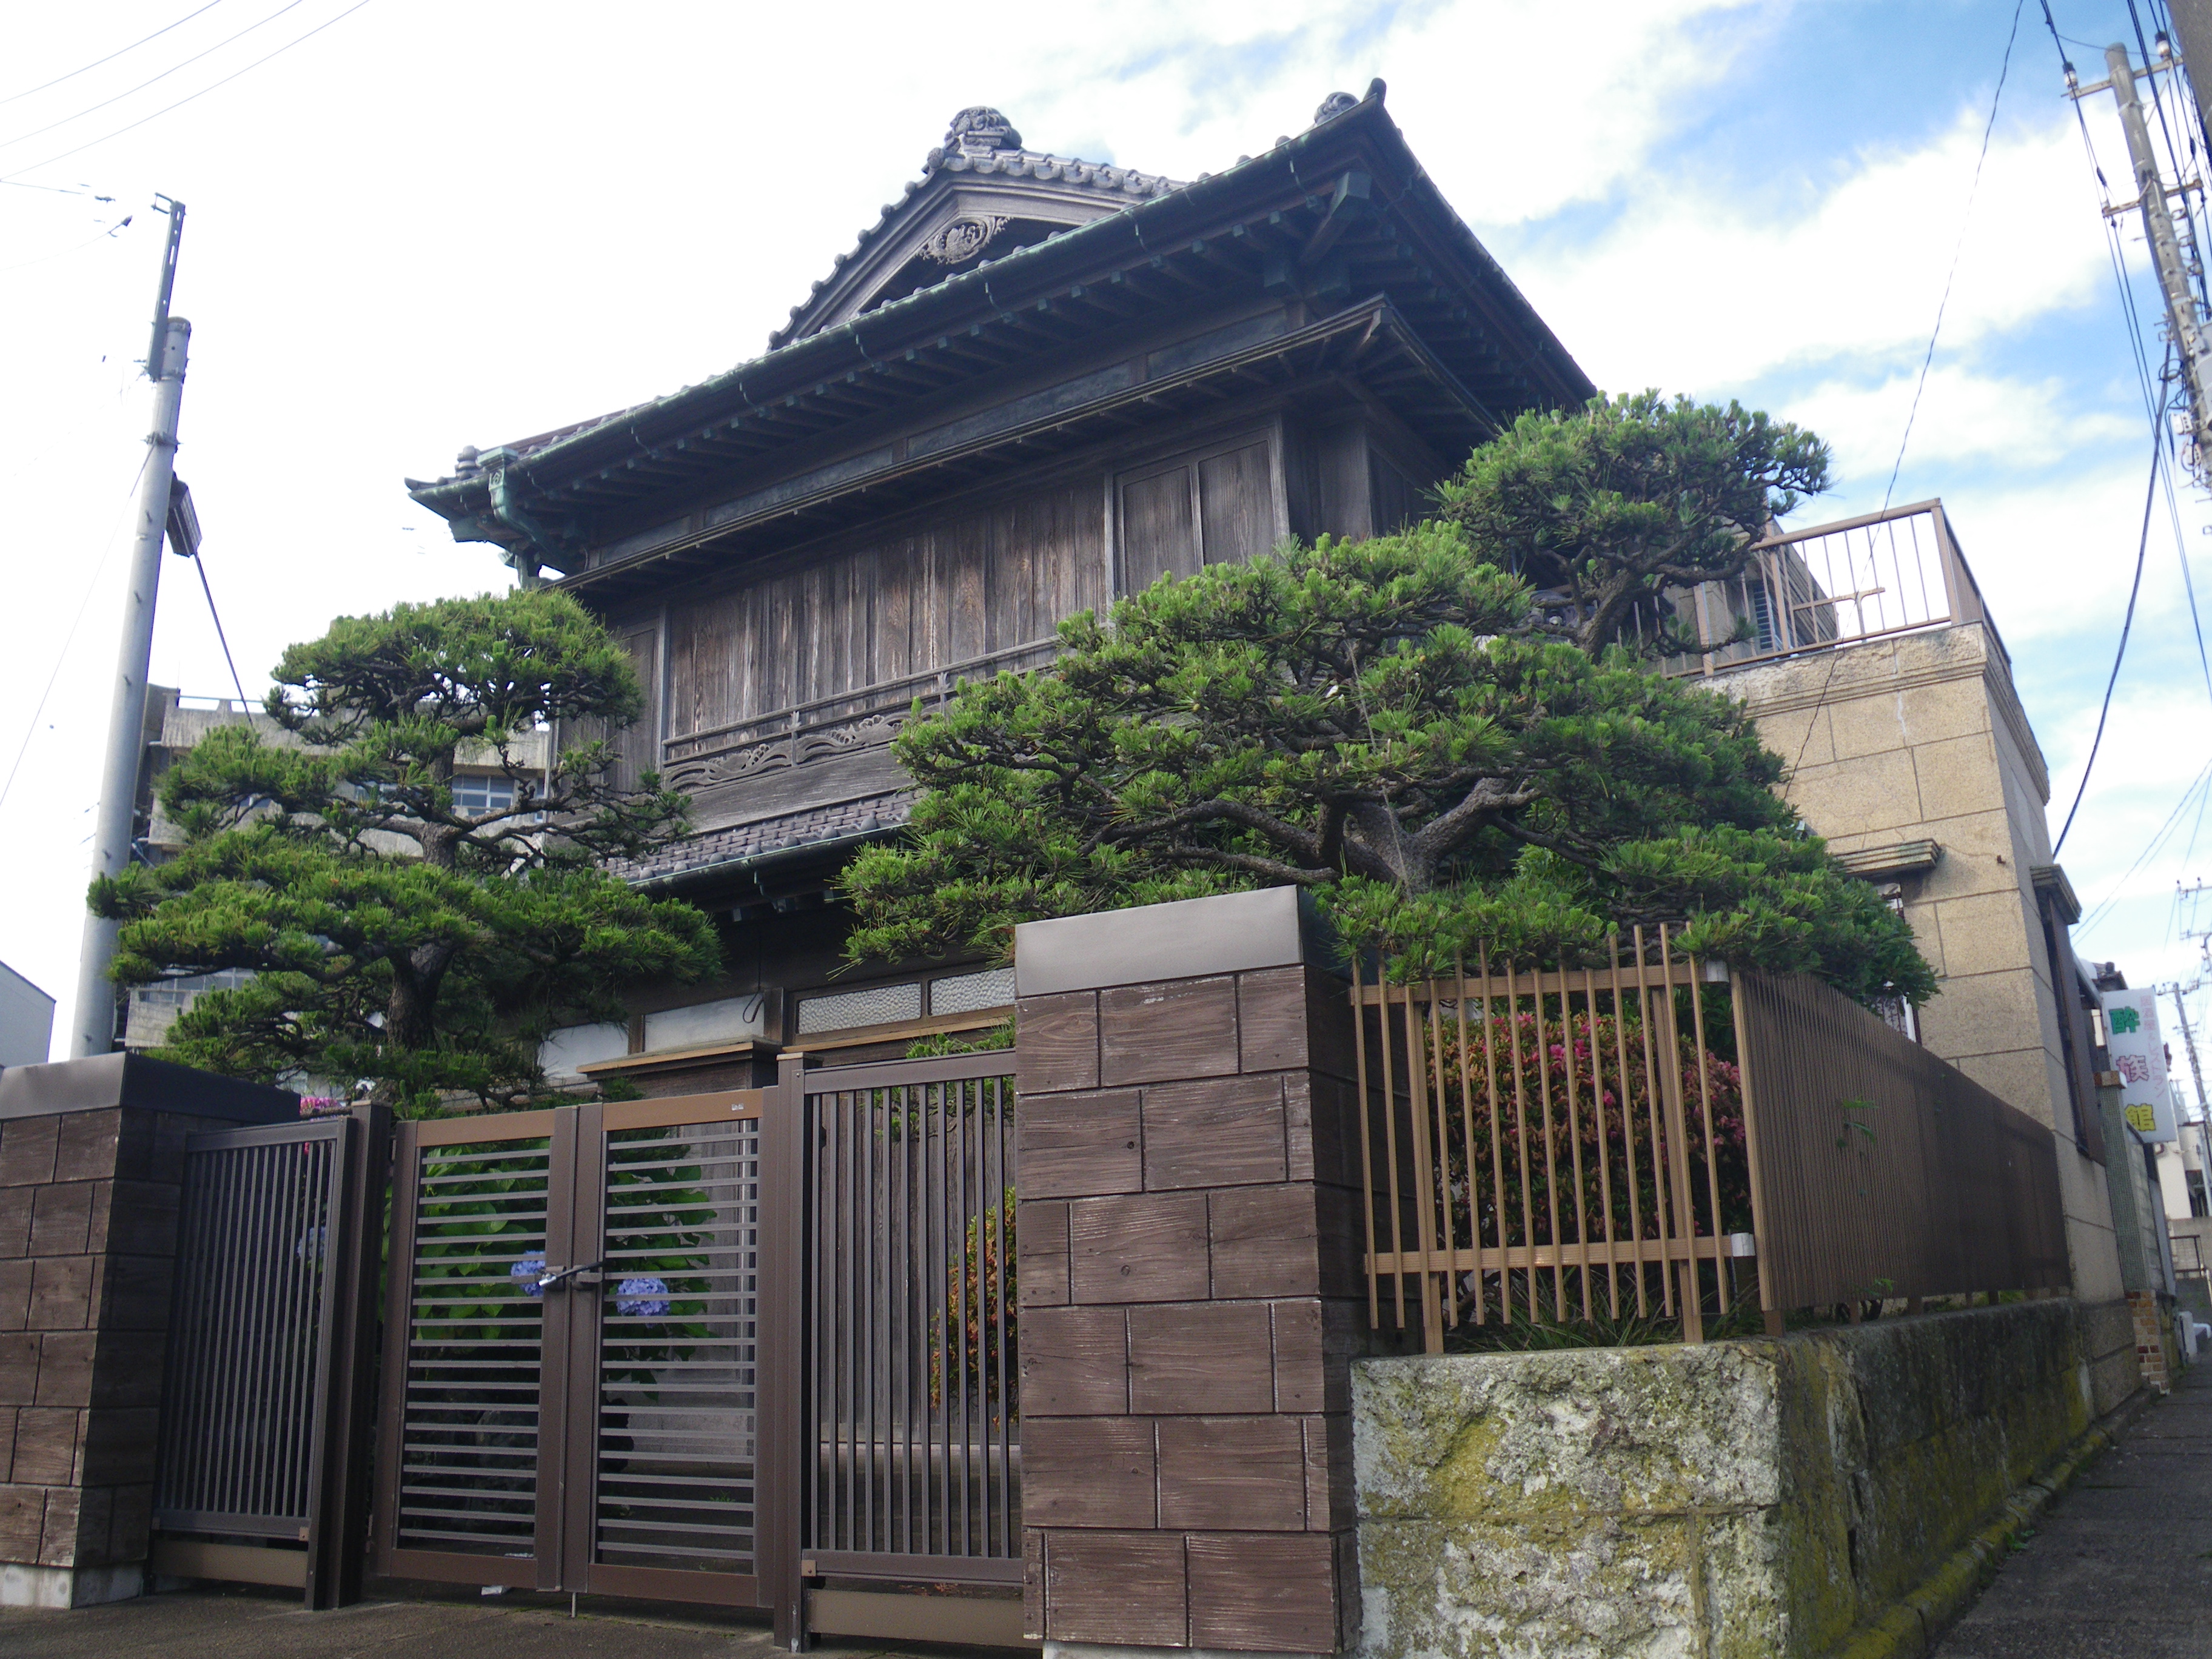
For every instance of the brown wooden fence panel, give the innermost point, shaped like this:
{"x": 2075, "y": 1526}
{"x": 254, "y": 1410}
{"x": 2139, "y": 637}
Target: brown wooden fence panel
{"x": 1541, "y": 1144}
{"x": 1568, "y": 1143}
{"x": 1886, "y": 1172}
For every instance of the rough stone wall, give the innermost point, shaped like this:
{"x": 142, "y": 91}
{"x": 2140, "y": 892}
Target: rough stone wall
{"x": 1922, "y": 738}
{"x": 88, "y": 1238}
{"x": 1187, "y": 1280}
{"x": 1762, "y": 1498}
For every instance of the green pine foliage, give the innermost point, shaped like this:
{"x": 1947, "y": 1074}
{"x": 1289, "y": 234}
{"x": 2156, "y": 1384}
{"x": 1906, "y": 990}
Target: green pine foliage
{"x": 1397, "y": 725}
{"x": 1608, "y": 506}
{"x": 394, "y": 935}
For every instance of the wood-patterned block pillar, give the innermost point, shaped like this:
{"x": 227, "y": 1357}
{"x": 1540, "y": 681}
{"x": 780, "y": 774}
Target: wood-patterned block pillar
{"x": 92, "y": 1152}
{"x": 1189, "y": 1278}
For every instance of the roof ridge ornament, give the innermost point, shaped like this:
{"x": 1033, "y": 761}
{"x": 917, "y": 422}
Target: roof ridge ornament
{"x": 1333, "y": 106}
{"x": 979, "y": 131}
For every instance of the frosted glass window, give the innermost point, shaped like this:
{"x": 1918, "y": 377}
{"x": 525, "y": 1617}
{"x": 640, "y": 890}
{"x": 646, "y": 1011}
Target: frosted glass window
{"x": 879, "y": 1005}
{"x": 566, "y": 1052}
{"x": 475, "y": 795}
{"x": 731, "y": 1020}
{"x": 962, "y": 993}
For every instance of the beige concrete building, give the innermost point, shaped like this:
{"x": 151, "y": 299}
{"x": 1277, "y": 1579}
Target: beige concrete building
{"x": 1871, "y": 662}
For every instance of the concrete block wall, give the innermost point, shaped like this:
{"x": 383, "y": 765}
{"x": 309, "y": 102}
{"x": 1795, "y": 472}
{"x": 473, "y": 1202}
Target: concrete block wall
{"x": 91, "y": 1160}
{"x": 1188, "y": 1281}
{"x": 88, "y": 1232}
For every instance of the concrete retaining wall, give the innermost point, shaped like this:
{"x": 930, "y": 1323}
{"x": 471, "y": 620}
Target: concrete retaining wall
{"x": 1762, "y": 1498}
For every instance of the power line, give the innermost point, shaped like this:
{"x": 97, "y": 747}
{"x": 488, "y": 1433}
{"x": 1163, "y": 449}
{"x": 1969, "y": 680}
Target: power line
{"x": 2127, "y": 625}
{"x": 68, "y": 639}
{"x": 200, "y": 565}
{"x": 9, "y": 143}
{"x": 181, "y": 102}
{"x": 111, "y": 56}
{"x": 1974, "y": 189}
{"x": 1943, "y": 304}
{"x": 111, "y": 232}
{"x": 2180, "y": 806}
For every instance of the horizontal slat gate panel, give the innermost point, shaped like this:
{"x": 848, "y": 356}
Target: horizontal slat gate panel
{"x": 244, "y": 1382}
{"x": 913, "y": 1390}
{"x": 677, "y": 1381}
{"x": 466, "y": 1463}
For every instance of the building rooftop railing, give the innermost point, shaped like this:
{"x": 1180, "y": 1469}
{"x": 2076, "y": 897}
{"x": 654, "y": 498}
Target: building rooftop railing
{"x": 1899, "y": 571}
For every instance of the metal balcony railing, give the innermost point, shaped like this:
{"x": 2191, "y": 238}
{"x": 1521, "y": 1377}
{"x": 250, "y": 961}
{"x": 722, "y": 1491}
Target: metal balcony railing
{"x": 1868, "y": 578}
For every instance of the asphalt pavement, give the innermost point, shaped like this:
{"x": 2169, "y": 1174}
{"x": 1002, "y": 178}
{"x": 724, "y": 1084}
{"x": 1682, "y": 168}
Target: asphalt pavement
{"x": 2120, "y": 1567}
{"x": 247, "y": 1624}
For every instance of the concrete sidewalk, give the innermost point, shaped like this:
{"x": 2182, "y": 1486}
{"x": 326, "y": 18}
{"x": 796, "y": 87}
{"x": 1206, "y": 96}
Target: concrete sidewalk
{"x": 2120, "y": 1566}
{"x": 245, "y": 1624}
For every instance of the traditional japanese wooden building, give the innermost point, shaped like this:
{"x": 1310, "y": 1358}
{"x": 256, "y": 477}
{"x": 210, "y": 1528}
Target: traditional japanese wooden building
{"x": 1034, "y": 383}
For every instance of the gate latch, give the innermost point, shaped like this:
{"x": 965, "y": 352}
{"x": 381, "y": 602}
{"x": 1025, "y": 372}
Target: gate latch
{"x": 585, "y": 1273}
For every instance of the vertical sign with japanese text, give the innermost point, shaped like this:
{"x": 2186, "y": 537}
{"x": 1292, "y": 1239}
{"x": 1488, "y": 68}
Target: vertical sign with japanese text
{"x": 2139, "y": 1056}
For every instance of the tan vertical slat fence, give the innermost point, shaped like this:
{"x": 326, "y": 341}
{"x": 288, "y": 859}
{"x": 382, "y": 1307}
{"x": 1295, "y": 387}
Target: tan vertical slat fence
{"x": 1552, "y": 1143}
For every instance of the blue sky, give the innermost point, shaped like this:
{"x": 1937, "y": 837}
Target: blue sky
{"x": 436, "y": 224}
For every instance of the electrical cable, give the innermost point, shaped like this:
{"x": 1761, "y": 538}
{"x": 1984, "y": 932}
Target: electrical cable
{"x": 181, "y": 102}
{"x": 75, "y": 248}
{"x": 2198, "y": 785}
{"x": 111, "y": 56}
{"x": 2127, "y": 625}
{"x": 1966, "y": 216}
{"x": 221, "y": 639}
{"x": 9, "y": 143}
{"x": 68, "y": 639}
{"x": 1974, "y": 189}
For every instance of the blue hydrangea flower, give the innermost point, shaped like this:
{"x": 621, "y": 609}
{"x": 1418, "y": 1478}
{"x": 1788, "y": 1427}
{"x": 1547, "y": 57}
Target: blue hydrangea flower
{"x": 643, "y": 1298}
{"x": 310, "y": 1247}
{"x": 528, "y": 1271}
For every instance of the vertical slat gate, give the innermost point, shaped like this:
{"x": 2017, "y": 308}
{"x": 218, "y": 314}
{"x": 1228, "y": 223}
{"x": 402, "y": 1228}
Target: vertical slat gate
{"x": 257, "y": 1433}
{"x": 912, "y": 1387}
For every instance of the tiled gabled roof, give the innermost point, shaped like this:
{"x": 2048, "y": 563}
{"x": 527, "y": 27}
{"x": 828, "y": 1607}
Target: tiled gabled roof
{"x": 982, "y": 142}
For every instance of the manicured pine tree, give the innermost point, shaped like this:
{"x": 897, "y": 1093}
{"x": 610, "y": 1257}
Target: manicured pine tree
{"x": 1401, "y": 726}
{"x": 394, "y": 934}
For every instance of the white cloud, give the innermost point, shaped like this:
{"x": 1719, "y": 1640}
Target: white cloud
{"x": 1693, "y": 291}
{"x": 1963, "y": 415}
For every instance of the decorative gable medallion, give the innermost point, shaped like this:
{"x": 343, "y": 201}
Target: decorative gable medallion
{"x": 958, "y": 240}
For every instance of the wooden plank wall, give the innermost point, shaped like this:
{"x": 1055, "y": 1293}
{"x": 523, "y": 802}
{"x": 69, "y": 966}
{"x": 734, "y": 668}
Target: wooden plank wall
{"x": 981, "y": 582}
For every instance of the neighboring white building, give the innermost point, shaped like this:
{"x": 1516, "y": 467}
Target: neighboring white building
{"x": 27, "y": 1020}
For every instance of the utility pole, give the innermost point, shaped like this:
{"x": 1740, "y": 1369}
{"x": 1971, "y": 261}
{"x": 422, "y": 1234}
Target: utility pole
{"x": 95, "y": 1033}
{"x": 2186, "y": 320}
{"x": 2180, "y": 994}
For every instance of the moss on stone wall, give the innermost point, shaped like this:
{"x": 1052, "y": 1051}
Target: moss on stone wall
{"x": 1757, "y": 1498}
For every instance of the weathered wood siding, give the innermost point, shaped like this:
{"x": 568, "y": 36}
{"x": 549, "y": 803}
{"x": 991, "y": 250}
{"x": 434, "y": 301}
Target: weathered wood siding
{"x": 1216, "y": 508}
{"x": 982, "y": 582}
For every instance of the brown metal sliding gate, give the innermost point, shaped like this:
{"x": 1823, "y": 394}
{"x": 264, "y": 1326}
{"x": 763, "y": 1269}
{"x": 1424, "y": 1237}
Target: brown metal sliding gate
{"x": 571, "y": 1391}
{"x": 912, "y": 1387}
{"x": 754, "y": 1348}
{"x": 272, "y": 1330}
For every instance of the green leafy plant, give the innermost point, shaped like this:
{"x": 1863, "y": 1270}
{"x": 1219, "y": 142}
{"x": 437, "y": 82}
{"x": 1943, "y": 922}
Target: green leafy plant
{"x": 980, "y": 1309}
{"x": 394, "y": 933}
{"x": 1384, "y": 723}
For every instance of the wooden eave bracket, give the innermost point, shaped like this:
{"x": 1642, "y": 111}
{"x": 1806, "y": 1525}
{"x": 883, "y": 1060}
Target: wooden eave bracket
{"x": 1353, "y": 196}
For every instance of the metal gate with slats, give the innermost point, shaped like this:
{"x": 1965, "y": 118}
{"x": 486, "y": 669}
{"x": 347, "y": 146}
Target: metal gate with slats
{"x": 268, "y": 1339}
{"x": 571, "y": 1401}
{"x": 755, "y": 1349}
